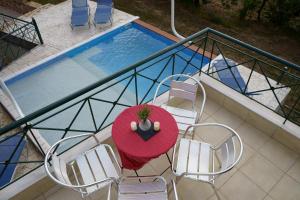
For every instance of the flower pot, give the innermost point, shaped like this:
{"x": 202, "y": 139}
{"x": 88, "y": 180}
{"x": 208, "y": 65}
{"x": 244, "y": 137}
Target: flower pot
{"x": 145, "y": 125}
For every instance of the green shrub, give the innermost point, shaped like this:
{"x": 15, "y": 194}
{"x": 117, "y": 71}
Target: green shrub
{"x": 248, "y": 6}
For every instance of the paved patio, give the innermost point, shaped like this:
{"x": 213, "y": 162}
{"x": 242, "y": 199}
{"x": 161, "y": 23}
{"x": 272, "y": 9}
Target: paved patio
{"x": 54, "y": 24}
{"x": 268, "y": 170}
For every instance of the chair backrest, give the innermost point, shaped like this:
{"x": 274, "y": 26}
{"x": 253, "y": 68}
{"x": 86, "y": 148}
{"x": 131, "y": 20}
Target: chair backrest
{"x": 105, "y": 2}
{"x": 183, "y": 90}
{"x": 79, "y": 3}
{"x": 60, "y": 169}
{"x": 228, "y": 153}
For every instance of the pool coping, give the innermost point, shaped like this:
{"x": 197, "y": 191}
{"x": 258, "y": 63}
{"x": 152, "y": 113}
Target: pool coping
{"x": 174, "y": 38}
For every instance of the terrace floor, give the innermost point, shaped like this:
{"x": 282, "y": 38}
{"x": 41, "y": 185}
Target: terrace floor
{"x": 268, "y": 170}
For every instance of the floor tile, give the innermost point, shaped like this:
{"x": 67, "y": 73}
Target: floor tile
{"x": 213, "y": 135}
{"x": 278, "y": 154}
{"x": 222, "y": 179}
{"x": 42, "y": 197}
{"x": 286, "y": 189}
{"x": 239, "y": 187}
{"x": 252, "y": 136}
{"x": 194, "y": 190}
{"x": 262, "y": 172}
{"x": 294, "y": 172}
{"x": 214, "y": 197}
{"x": 65, "y": 194}
{"x": 52, "y": 190}
{"x": 146, "y": 170}
{"x": 248, "y": 152}
{"x": 268, "y": 198}
{"x": 211, "y": 106}
{"x": 225, "y": 117}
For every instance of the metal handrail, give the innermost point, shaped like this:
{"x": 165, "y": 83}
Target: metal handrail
{"x": 95, "y": 85}
{"x": 76, "y": 94}
{"x": 14, "y": 18}
{"x": 18, "y": 32}
{"x": 130, "y": 73}
{"x": 257, "y": 50}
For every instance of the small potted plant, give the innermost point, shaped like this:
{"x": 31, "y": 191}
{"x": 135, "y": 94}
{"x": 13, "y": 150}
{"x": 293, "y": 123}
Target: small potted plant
{"x": 143, "y": 115}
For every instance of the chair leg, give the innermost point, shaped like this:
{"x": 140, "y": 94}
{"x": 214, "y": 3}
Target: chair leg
{"x": 169, "y": 158}
{"x": 109, "y": 192}
{"x": 215, "y": 191}
{"x": 137, "y": 175}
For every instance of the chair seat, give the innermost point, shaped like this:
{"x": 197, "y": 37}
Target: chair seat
{"x": 156, "y": 190}
{"x": 194, "y": 157}
{"x": 102, "y": 14}
{"x": 80, "y": 16}
{"x": 95, "y": 165}
{"x": 183, "y": 117}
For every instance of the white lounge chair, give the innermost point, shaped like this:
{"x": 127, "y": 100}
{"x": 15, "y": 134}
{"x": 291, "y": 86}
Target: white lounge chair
{"x": 195, "y": 159}
{"x": 88, "y": 172}
{"x": 186, "y": 90}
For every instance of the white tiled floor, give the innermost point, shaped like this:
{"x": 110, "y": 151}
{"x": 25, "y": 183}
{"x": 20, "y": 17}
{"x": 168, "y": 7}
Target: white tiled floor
{"x": 268, "y": 170}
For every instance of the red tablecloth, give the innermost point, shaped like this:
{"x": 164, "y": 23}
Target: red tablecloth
{"x": 133, "y": 150}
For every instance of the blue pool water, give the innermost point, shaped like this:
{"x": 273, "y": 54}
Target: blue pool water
{"x": 89, "y": 63}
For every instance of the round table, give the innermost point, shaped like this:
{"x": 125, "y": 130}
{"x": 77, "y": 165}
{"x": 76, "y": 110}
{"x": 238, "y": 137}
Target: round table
{"x": 133, "y": 150}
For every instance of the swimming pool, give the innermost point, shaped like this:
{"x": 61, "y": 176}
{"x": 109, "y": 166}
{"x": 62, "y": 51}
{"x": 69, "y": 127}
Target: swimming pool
{"x": 88, "y": 63}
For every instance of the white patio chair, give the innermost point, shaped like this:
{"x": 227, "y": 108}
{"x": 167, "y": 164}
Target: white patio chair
{"x": 150, "y": 188}
{"x": 88, "y": 172}
{"x": 196, "y": 159}
{"x": 186, "y": 91}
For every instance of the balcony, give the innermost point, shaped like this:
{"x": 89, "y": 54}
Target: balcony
{"x": 265, "y": 115}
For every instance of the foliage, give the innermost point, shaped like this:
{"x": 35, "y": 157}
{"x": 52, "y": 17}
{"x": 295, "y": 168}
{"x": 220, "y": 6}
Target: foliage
{"x": 282, "y": 11}
{"x": 279, "y": 12}
{"x": 248, "y": 6}
{"x": 144, "y": 113}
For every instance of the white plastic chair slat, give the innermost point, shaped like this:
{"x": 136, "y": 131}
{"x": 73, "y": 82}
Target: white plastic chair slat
{"x": 184, "y": 120}
{"x": 106, "y": 161}
{"x": 147, "y": 196}
{"x": 227, "y": 153}
{"x": 56, "y": 168}
{"x": 86, "y": 173}
{"x": 183, "y": 127}
{"x": 194, "y": 153}
{"x": 184, "y": 86}
{"x": 180, "y": 112}
{"x": 182, "y": 156}
{"x": 204, "y": 160}
{"x": 156, "y": 186}
{"x": 183, "y": 94}
{"x": 63, "y": 169}
{"x": 96, "y": 167}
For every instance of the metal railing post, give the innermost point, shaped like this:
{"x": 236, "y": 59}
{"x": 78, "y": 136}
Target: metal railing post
{"x": 285, "y": 69}
{"x": 37, "y": 30}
